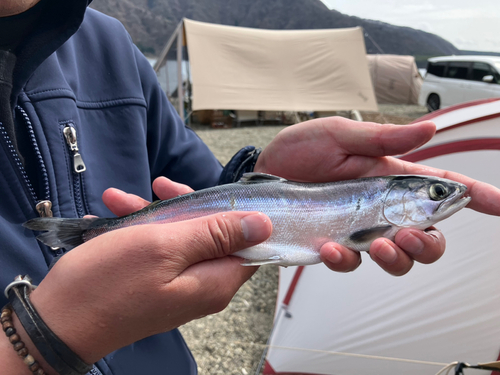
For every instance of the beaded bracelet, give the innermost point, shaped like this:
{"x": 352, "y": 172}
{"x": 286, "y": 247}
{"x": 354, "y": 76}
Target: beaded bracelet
{"x": 55, "y": 352}
{"x": 15, "y": 340}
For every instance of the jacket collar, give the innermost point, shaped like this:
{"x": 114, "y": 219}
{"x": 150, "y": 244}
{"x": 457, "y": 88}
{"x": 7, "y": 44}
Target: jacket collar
{"x": 60, "y": 21}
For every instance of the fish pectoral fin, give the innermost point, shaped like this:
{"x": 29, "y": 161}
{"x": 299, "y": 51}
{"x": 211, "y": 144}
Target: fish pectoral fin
{"x": 255, "y": 177}
{"x": 272, "y": 260}
{"x": 370, "y": 234}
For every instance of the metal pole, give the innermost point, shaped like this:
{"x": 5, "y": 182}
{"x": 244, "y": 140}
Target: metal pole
{"x": 164, "y": 52}
{"x": 190, "y": 89}
{"x": 374, "y": 43}
{"x": 180, "y": 91}
{"x": 357, "y": 115}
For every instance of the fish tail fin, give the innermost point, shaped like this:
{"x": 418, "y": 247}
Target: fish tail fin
{"x": 60, "y": 232}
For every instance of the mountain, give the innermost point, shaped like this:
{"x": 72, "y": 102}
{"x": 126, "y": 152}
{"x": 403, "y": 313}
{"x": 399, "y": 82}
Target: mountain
{"x": 151, "y": 22}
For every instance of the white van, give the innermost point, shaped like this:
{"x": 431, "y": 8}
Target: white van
{"x": 456, "y": 79}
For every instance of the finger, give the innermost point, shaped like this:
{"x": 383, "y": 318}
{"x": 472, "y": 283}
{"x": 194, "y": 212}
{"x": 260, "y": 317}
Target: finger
{"x": 216, "y": 236}
{"x": 372, "y": 139}
{"x": 338, "y": 258}
{"x": 121, "y": 203}
{"x": 211, "y": 283}
{"x": 390, "y": 257}
{"x": 485, "y": 197}
{"x": 165, "y": 188}
{"x": 424, "y": 247}
{"x": 342, "y": 149}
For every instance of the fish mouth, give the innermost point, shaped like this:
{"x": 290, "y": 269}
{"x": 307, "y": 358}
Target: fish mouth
{"x": 454, "y": 203}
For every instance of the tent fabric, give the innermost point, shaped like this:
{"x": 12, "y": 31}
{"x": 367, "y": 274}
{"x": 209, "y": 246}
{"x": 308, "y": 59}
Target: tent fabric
{"x": 396, "y": 79}
{"x": 436, "y": 314}
{"x": 450, "y": 117}
{"x": 278, "y": 70}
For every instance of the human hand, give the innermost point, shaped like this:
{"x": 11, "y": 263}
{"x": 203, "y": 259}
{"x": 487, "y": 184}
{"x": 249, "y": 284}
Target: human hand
{"x": 334, "y": 149}
{"x": 121, "y": 203}
{"x": 134, "y": 282}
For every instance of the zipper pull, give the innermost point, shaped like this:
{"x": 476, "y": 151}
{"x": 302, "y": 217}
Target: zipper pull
{"x": 44, "y": 208}
{"x": 70, "y": 135}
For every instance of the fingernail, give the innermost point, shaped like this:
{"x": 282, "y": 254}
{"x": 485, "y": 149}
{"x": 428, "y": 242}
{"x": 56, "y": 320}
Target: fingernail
{"x": 411, "y": 244}
{"x": 387, "y": 253}
{"x": 334, "y": 256}
{"x": 255, "y": 227}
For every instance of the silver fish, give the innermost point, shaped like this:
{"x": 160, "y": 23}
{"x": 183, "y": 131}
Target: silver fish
{"x": 304, "y": 215}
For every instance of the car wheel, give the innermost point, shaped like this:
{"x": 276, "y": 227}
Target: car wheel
{"x": 433, "y": 102}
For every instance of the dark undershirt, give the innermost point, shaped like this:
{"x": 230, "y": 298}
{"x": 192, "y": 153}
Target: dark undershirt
{"x": 14, "y": 28}
{"x": 12, "y": 31}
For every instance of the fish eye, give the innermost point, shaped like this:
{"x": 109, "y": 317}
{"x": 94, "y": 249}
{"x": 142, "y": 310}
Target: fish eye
{"x": 438, "y": 192}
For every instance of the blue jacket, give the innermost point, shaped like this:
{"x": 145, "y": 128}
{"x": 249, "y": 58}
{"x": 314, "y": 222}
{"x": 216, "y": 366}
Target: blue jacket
{"x": 128, "y": 134}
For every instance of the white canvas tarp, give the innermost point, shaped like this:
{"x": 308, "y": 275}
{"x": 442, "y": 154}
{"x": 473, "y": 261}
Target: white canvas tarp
{"x": 396, "y": 79}
{"x": 368, "y": 322}
{"x": 282, "y": 70}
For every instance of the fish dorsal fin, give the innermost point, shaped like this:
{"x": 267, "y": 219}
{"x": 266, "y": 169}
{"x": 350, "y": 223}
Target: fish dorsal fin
{"x": 254, "y": 177}
{"x": 152, "y": 205}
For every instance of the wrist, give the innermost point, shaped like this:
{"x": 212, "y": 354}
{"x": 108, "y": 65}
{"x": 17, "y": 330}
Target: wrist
{"x": 49, "y": 347}
{"x": 31, "y": 349}
{"x": 73, "y": 329}
{"x": 29, "y": 360}
{"x": 260, "y": 165}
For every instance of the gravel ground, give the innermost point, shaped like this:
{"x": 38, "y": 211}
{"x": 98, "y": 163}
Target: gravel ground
{"x": 395, "y": 114}
{"x": 227, "y": 343}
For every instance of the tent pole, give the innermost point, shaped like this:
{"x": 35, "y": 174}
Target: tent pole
{"x": 164, "y": 52}
{"x": 180, "y": 88}
{"x": 189, "y": 89}
{"x": 357, "y": 115}
{"x": 168, "y": 82}
{"x": 374, "y": 43}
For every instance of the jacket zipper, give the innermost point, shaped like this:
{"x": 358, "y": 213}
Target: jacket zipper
{"x": 19, "y": 164}
{"x": 41, "y": 165}
{"x": 43, "y": 207}
{"x": 79, "y": 167}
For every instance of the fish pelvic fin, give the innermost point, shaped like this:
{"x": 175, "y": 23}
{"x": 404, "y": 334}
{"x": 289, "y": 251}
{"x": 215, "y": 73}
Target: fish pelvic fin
{"x": 260, "y": 262}
{"x": 60, "y": 232}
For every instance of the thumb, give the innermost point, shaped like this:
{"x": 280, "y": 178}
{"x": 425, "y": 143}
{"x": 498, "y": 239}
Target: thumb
{"x": 218, "y": 235}
{"x": 371, "y": 139}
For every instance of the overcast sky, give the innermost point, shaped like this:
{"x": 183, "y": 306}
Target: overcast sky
{"x": 469, "y": 25}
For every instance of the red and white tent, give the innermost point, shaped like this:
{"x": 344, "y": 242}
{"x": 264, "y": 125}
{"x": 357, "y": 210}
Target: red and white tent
{"x": 368, "y": 322}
